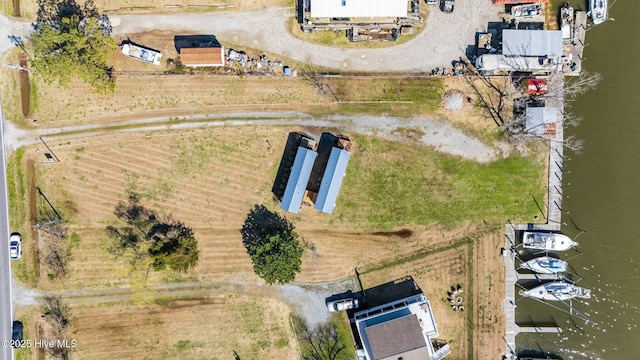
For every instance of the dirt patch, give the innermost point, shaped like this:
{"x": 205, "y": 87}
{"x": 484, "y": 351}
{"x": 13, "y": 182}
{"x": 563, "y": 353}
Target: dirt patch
{"x": 402, "y": 233}
{"x": 16, "y": 8}
{"x": 25, "y": 86}
{"x": 191, "y": 328}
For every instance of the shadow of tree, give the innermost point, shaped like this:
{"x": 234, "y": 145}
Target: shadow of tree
{"x": 53, "y": 11}
{"x": 261, "y": 223}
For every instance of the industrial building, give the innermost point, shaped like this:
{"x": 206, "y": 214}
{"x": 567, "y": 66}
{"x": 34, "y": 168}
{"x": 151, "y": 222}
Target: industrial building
{"x": 362, "y": 19}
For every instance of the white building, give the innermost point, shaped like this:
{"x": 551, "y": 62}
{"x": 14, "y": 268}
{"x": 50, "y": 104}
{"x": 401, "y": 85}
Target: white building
{"x": 402, "y": 329}
{"x": 358, "y": 8}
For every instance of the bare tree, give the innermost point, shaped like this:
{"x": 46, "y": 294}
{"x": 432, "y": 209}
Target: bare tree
{"x": 573, "y": 144}
{"x": 311, "y": 73}
{"x": 54, "y": 253}
{"x": 57, "y": 319}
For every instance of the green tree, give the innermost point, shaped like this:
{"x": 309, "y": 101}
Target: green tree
{"x": 73, "y": 41}
{"x": 150, "y": 242}
{"x": 272, "y": 245}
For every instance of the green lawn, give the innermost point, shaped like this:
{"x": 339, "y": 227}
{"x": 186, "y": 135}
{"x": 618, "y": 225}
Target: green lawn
{"x": 389, "y": 184}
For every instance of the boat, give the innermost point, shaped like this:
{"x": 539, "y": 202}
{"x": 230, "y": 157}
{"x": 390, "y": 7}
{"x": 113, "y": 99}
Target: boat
{"x": 567, "y": 16}
{"x": 598, "y": 10}
{"x": 525, "y": 11}
{"x": 536, "y": 87}
{"x": 547, "y": 241}
{"x": 545, "y": 265}
{"x": 141, "y": 53}
{"x": 557, "y": 291}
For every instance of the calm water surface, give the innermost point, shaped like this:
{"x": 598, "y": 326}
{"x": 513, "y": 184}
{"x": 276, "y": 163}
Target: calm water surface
{"x": 602, "y": 196}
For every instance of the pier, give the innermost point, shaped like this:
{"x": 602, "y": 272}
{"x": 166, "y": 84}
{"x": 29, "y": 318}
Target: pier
{"x": 541, "y": 329}
{"x": 553, "y": 217}
{"x": 573, "y": 48}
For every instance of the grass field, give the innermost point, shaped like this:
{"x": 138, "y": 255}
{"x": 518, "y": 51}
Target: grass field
{"x": 149, "y": 96}
{"x": 210, "y": 178}
{"x": 199, "y": 328}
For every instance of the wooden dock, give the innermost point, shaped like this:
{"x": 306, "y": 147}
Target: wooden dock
{"x": 537, "y": 276}
{"x": 553, "y": 223}
{"x": 573, "y": 48}
{"x": 541, "y": 329}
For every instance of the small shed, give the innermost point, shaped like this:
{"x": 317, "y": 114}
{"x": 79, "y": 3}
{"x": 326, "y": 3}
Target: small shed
{"x": 532, "y": 43}
{"x": 541, "y": 121}
{"x": 202, "y": 56}
{"x": 297, "y": 183}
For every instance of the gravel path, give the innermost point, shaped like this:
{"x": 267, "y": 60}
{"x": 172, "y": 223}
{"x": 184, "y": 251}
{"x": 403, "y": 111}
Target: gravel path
{"x": 444, "y": 39}
{"x": 439, "y": 135}
{"x": 306, "y": 299}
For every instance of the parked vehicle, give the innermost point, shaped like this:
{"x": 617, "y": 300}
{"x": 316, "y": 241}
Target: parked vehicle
{"x": 446, "y": 5}
{"x": 15, "y": 246}
{"x": 16, "y": 333}
{"x": 343, "y": 304}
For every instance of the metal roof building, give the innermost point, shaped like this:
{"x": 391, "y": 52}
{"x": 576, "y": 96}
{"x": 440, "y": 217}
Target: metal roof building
{"x": 541, "y": 121}
{"x": 297, "y": 184}
{"x": 358, "y": 8}
{"x": 532, "y": 42}
{"x": 202, "y": 56}
{"x": 332, "y": 180}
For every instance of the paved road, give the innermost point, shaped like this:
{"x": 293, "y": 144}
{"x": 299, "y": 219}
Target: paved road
{"x": 6, "y": 303}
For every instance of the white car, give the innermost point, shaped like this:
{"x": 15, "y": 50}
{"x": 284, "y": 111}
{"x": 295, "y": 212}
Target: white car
{"x": 343, "y": 304}
{"x": 15, "y": 246}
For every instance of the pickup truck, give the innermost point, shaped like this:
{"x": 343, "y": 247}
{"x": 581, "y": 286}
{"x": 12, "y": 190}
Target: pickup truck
{"x": 446, "y": 5}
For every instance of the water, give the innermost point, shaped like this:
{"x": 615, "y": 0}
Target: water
{"x": 602, "y": 196}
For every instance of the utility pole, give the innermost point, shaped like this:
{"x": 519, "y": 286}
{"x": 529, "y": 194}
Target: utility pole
{"x": 51, "y": 153}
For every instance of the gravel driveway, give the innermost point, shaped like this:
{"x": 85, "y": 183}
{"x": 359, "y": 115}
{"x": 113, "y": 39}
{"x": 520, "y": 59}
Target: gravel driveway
{"x": 445, "y": 38}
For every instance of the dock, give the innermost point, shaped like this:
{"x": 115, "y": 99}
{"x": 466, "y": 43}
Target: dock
{"x": 537, "y": 276}
{"x": 541, "y": 329}
{"x": 573, "y": 48}
{"x": 553, "y": 222}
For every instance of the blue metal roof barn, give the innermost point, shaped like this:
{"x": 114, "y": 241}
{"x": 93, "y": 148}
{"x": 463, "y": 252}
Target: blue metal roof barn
{"x": 332, "y": 180}
{"x": 297, "y": 183}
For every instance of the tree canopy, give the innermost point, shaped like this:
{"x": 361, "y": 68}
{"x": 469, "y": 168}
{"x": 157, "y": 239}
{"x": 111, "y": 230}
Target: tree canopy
{"x": 73, "y": 41}
{"x": 151, "y": 241}
{"x": 272, "y": 245}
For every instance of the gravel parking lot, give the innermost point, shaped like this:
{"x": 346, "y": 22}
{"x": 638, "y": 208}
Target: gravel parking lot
{"x": 444, "y": 39}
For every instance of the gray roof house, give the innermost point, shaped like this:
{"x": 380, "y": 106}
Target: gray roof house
{"x": 402, "y": 329}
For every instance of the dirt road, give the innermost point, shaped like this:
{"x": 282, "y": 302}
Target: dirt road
{"x": 439, "y": 135}
{"x": 444, "y": 39}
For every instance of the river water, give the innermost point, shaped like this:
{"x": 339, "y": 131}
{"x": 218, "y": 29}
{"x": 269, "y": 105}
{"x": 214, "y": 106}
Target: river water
{"x": 602, "y": 196}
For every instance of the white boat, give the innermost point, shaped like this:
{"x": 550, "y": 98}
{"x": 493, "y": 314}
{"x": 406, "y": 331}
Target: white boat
{"x": 598, "y": 10}
{"x": 142, "y": 54}
{"x": 545, "y": 265}
{"x": 567, "y": 16}
{"x": 547, "y": 241}
{"x": 557, "y": 291}
{"x": 525, "y": 11}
